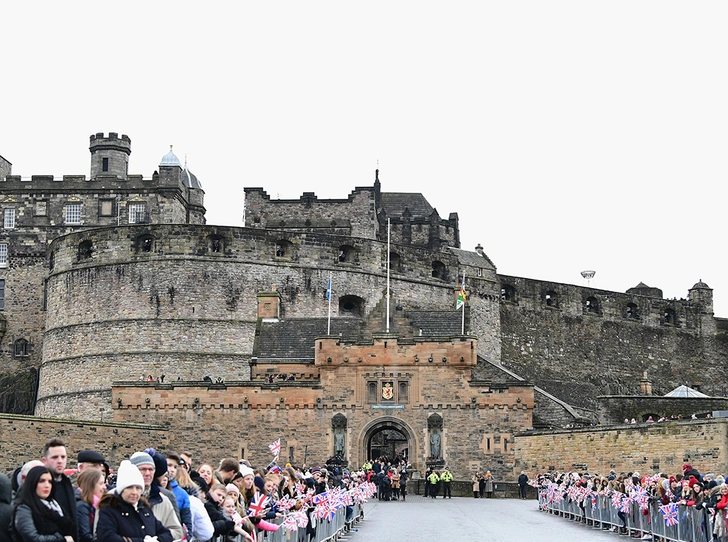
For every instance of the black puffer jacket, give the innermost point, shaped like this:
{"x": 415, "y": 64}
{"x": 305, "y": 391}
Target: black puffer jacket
{"x": 6, "y": 509}
{"x": 119, "y": 521}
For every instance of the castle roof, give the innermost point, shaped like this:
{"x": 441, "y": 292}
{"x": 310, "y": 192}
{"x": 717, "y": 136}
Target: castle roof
{"x": 395, "y": 203}
{"x": 170, "y": 159}
{"x": 700, "y": 285}
{"x": 684, "y": 391}
{"x": 436, "y": 323}
{"x": 190, "y": 179}
{"x": 295, "y": 338}
{"x": 472, "y": 259}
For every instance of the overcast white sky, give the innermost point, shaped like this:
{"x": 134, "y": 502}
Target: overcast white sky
{"x": 566, "y": 135}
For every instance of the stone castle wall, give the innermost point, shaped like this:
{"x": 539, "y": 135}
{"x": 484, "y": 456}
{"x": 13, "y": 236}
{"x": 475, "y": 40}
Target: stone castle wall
{"x": 578, "y": 356}
{"x": 251, "y": 416}
{"x": 646, "y": 448}
{"x": 22, "y": 439}
{"x": 182, "y": 310}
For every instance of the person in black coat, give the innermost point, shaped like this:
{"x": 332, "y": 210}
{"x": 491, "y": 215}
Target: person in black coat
{"x": 6, "y": 509}
{"x": 38, "y": 516}
{"x": 124, "y": 516}
{"x": 522, "y": 483}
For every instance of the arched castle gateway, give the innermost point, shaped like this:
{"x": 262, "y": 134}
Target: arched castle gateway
{"x": 111, "y": 278}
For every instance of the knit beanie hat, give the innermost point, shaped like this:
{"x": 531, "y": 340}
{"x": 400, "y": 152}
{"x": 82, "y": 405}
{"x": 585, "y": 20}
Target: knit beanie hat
{"x": 128, "y": 476}
{"x": 259, "y": 483}
{"x": 246, "y": 471}
{"x": 232, "y": 488}
{"x": 141, "y": 458}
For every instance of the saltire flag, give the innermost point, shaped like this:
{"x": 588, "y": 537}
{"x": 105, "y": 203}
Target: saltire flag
{"x": 275, "y": 448}
{"x": 328, "y": 290}
{"x": 669, "y": 512}
{"x": 461, "y": 295}
{"x": 257, "y": 505}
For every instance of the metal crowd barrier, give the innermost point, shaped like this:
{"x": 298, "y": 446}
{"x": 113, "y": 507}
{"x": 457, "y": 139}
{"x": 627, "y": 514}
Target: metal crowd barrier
{"x": 325, "y": 530}
{"x": 693, "y": 525}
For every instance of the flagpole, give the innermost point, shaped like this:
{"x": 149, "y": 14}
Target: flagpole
{"x": 462, "y": 330}
{"x": 388, "y": 253}
{"x": 328, "y": 294}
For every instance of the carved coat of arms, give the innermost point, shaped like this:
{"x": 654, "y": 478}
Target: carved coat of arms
{"x": 387, "y": 391}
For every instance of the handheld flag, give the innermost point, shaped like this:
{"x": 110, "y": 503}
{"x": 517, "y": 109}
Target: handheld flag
{"x": 275, "y": 448}
{"x": 257, "y": 505}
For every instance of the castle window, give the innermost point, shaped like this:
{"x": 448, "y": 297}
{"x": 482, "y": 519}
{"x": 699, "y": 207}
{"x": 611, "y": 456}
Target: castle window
{"x": 41, "y": 208}
{"x": 9, "y": 219}
{"x": 21, "y": 349}
{"x": 439, "y": 271}
{"x": 284, "y": 249}
{"x": 145, "y": 243}
{"x": 371, "y": 392}
{"x": 669, "y": 317}
{"x": 479, "y": 272}
{"x": 630, "y": 311}
{"x": 551, "y": 299}
{"x": 346, "y": 254}
{"x": 2, "y": 294}
{"x": 591, "y": 305}
{"x": 85, "y": 250}
{"x": 3, "y": 255}
{"x": 137, "y": 213}
{"x": 52, "y": 260}
{"x": 106, "y": 207}
{"x": 72, "y": 213}
{"x": 216, "y": 244}
{"x": 508, "y": 293}
{"x": 403, "y": 396}
{"x": 395, "y": 262}
{"x": 104, "y": 164}
{"x": 351, "y": 305}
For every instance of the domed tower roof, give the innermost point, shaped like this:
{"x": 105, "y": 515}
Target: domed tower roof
{"x": 170, "y": 159}
{"x": 189, "y": 178}
{"x": 700, "y": 285}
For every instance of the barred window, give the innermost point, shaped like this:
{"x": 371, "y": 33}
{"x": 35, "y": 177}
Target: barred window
{"x": 2, "y": 294}
{"x": 9, "y": 218}
{"x": 137, "y": 213}
{"x": 3, "y": 255}
{"x": 73, "y": 213}
{"x": 21, "y": 348}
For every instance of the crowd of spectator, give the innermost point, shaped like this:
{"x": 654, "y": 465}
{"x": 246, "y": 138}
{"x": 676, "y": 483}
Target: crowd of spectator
{"x": 158, "y": 496}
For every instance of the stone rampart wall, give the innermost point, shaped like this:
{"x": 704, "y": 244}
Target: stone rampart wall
{"x": 646, "y": 448}
{"x": 22, "y": 439}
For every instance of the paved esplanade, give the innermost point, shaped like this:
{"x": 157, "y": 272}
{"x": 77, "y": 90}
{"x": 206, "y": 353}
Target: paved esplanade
{"x": 468, "y": 520}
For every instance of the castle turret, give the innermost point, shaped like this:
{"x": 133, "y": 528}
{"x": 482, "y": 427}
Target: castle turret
{"x": 110, "y": 155}
{"x": 702, "y": 295}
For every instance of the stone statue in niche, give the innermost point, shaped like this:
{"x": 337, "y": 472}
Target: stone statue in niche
{"x": 339, "y": 441}
{"x": 435, "y": 444}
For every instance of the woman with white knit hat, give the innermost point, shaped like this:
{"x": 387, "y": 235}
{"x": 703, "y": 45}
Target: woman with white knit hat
{"x": 125, "y": 516}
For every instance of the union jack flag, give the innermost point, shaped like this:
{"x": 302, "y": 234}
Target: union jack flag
{"x": 275, "y": 448}
{"x": 301, "y": 518}
{"x": 626, "y": 504}
{"x": 669, "y": 512}
{"x": 289, "y": 523}
{"x": 257, "y": 505}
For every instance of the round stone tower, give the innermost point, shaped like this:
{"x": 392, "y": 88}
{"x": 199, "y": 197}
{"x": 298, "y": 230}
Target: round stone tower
{"x": 110, "y": 155}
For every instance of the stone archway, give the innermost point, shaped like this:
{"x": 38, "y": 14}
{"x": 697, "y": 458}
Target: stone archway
{"x": 388, "y": 436}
